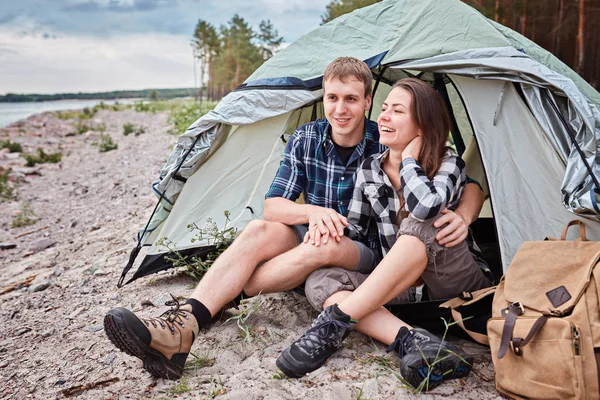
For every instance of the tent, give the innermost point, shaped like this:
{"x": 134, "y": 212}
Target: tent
{"x": 527, "y": 125}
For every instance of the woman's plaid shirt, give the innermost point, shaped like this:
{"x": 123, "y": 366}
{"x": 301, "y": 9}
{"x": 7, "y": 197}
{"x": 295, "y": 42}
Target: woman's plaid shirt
{"x": 311, "y": 166}
{"x": 375, "y": 202}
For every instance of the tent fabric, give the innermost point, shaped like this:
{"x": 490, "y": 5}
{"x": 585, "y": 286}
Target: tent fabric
{"x": 406, "y": 30}
{"x": 506, "y": 93}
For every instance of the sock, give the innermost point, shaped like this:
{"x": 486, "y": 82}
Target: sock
{"x": 340, "y": 315}
{"x": 200, "y": 312}
{"x": 238, "y": 299}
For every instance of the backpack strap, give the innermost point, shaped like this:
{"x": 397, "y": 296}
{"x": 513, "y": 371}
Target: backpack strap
{"x": 478, "y": 337}
{"x": 581, "y": 230}
{"x": 519, "y": 343}
{"x": 512, "y": 312}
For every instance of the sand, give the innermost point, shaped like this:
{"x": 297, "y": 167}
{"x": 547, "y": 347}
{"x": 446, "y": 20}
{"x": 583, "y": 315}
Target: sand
{"x": 89, "y": 208}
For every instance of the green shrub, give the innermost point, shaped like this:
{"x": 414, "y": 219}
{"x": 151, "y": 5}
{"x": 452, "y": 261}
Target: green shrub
{"x": 220, "y": 239}
{"x": 139, "y": 130}
{"x": 186, "y": 113}
{"x": 100, "y": 128}
{"x": 42, "y": 157}
{"x": 107, "y": 144}
{"x": 81, "y": 127}
{"x": 13, "y": 147}
{"x": 67, "y": 114}
{"x": 128, "y": 128}
{"x": 25, "y": 217}
{"x": 7, "y": 192}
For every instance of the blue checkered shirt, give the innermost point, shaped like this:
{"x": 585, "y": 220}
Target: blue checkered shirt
{"x": 312, "y": 167}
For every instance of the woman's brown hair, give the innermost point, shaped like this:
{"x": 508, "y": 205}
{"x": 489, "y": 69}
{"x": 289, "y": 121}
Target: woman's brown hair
{"x": 430, "y": 115}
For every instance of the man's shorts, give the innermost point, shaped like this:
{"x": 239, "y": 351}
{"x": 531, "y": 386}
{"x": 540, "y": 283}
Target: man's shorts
{"x": 449, "y": 271}
{"x": 368, "y": 259}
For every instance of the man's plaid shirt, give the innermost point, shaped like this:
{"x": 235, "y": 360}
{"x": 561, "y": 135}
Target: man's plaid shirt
{"x": 312, "y": 166}
{"x": 375, "y": 202}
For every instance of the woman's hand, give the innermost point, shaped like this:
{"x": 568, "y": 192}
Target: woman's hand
{"x": 413, "y": 149}
{"x": 455, "y": 232}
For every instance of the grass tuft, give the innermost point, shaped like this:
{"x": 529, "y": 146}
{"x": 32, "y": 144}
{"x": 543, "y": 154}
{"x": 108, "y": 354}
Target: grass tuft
{"x": 41, "y": 157}
{"x": 25, "y": 217}
{"x": 106, "y": 143}
{"x": 12, "y": 147}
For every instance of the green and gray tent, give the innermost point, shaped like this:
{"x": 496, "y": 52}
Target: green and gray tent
{"x": 527, "y": 125}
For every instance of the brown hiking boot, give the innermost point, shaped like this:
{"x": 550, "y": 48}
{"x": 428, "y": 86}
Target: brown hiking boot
{"x": 162, "y": 343}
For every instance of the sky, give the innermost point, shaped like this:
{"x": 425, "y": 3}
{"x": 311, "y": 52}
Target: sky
{"x": 64, "y": 46}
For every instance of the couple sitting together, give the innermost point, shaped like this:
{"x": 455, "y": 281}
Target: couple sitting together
{"x": 387, "y": 210}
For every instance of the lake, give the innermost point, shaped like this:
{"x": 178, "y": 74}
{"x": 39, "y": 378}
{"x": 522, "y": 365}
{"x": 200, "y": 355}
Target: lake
{"x": 12, "y": 112}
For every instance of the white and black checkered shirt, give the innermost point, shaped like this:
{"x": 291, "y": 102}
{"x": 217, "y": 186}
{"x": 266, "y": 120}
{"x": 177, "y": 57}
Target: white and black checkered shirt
{"x": 375, "y": 201}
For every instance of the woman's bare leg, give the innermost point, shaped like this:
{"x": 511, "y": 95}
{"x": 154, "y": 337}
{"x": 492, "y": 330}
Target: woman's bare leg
{"x": 381, "y": 324}
{"x": 399, "y": 269}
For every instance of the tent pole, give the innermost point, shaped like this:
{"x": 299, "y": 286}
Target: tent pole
{"x": 572, "y": 136}
{"x": 456, "y": 136}
{"x": 136, "y": 250}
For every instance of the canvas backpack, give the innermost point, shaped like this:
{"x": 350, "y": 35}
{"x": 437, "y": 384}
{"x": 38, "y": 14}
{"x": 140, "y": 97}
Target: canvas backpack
{"x": 544, "y": 333}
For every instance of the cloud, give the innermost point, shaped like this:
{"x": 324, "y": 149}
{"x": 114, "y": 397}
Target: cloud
{"x": 96, "y": 45}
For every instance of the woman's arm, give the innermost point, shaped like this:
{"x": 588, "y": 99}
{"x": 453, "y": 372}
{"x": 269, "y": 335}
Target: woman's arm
{"x": 426, "y": 198}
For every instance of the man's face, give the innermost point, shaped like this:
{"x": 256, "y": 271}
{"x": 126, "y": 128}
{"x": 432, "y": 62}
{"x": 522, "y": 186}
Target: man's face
{"x": 345, "y": 105}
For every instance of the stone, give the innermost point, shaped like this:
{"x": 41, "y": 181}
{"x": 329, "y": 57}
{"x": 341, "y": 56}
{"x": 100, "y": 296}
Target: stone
{"x": 39, "y": 245}
{"x": 7, "y": 246}
{"x": 39, "y": 287}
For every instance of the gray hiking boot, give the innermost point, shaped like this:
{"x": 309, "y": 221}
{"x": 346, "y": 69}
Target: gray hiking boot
{"x": 426, "y": 360}
{"x": 318, "y": 343}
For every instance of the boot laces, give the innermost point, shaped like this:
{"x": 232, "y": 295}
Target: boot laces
{"x": 170, "y": 317}
{"x": 322, "y": 333}
{"x": 408, "y": 343}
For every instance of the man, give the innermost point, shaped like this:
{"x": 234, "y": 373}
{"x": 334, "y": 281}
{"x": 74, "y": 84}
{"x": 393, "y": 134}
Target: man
{"x": 320, "y": 161}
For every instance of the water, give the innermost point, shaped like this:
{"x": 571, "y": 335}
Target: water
{"x": 12, "y": 112}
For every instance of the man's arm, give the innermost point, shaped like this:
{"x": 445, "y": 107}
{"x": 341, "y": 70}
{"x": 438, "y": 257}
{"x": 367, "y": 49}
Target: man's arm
{"x": 458, "y": 221}
{"x": 322, "y": 221}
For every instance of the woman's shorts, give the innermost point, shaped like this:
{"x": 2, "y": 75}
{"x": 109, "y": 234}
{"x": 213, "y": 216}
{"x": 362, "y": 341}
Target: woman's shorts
{"x": 449, "y": 271}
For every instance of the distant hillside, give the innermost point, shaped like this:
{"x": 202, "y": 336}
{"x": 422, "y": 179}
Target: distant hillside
{"x": 120, "y": 94}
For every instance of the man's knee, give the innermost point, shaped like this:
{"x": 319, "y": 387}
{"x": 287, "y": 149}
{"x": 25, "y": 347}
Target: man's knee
{"x": 324, "y": 282}
{"x": 325, "y": 254}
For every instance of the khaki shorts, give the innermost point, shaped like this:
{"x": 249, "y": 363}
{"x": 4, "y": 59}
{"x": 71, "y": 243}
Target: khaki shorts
{"x": 448, "y": 273}
{"x": 368, "y": 258}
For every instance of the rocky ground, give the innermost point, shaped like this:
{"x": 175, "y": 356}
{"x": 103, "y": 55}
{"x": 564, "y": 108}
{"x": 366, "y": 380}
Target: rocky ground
{"x": 58, "y": 278}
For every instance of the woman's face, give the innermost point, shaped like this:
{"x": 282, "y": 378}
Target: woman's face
{"x": 397, "y": 127}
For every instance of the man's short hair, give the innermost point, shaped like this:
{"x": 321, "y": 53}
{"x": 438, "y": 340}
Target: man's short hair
{"x": 344, "y": 68}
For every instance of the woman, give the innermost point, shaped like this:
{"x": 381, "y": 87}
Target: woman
{"x": 403, "y": 191}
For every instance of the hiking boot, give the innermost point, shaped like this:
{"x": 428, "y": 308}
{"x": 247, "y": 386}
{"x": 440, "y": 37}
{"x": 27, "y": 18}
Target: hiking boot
{"x": 162, "y": 343}
{"x": 317, "y": 344}
{"x": 427, "y": 360}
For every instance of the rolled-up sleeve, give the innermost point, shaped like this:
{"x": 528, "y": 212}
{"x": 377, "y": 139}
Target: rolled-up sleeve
{"x": 426, "y": 198}
{"x": 290, "y": 180}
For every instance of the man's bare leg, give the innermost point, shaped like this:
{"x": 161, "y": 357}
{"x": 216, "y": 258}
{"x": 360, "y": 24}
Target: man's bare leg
{"x": 290, "y": 269}
{"x": 259, "y": 241}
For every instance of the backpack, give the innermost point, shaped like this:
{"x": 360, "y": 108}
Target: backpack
{"x": 544, "y": 333}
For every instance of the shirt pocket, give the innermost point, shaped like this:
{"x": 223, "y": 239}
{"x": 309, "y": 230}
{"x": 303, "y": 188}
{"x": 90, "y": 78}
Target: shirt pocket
{"x": 379, "y": 197}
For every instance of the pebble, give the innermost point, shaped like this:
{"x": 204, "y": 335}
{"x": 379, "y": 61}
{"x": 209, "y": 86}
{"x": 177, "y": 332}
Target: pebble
{"x": 109, "y": 359}
{"x": 58, "y": 271}
{"x": 94, "y": 328}
{"x": 39, "y": 287}
{"x": 39, "y": 245}
{"x": 22, "y": 331}
{"x": 7, "y": 246}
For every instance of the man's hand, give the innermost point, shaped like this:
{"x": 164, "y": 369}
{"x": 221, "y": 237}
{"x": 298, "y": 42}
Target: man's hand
{"x": 324, "y": 223}
{"x": 455, "y": 232}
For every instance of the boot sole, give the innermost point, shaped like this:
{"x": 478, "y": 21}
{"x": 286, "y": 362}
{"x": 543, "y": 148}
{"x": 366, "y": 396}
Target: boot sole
{"x": 415, "y": 375}
{"x": 153, "y": 361}
{"x": 293, "y": 368}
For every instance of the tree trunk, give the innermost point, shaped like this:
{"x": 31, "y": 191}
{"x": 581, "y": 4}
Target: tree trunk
{"x": 496, "y": 8}
{"x": 524, "y": 18}
{"x": 579, "y": 51}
